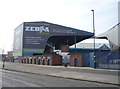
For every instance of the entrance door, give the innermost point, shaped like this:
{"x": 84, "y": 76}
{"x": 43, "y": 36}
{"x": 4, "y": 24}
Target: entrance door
{"x": 76, "y": 62}
{"x": 30, "y": 61}
{"x": 27, "y": 61}
{"x": 48, "y": 63}
{"x": 34, "y": 61}
{"x": 38, "y": 61}
{"x": 43, "y": 62}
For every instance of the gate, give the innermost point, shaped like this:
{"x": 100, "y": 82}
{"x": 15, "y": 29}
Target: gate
{"x": 109, "y": 61}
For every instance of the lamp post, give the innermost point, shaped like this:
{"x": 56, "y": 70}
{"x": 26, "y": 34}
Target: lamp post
{"x": 94, "y": 39}
{"x": 3, "y": 59}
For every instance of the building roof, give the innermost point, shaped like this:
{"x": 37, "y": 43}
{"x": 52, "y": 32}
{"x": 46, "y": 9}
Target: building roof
{"x": 91, "y": 46}
{"x": 113, "y": 36}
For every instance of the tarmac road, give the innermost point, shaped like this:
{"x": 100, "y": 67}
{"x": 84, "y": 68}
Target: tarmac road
{"x": 20, "y": 79}
{"x": 79, "y": 73}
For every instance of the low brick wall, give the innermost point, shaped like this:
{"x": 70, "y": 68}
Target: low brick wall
{"x": 75, "y": 56}
{"x": 41, "y": 59}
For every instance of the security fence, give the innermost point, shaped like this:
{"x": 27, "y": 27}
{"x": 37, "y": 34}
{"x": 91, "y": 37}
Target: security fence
{"x": 110, "y": 60}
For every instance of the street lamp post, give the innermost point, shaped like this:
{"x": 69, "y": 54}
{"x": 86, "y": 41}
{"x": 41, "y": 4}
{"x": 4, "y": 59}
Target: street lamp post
{"x": 3, "y": 59}
{"x": 94, "y": 39}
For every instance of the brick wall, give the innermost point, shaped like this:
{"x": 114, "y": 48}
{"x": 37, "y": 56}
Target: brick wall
{"x": 44, "y": 59}
{"x": 65, "y": 48}
{"x": 76, "y": 56}
{"x": 56, "y": 60}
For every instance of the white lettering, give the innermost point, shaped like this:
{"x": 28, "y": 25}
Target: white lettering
{"x": 31, "y": 28}
{"x": 26, "y": 28}
{"x": 40, "y": 29}
{"x": 36, "y": 28}
{"x": 47, "y": 29}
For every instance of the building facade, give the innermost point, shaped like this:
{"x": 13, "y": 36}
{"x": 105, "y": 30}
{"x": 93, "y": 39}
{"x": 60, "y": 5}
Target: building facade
{"x": 35, "y": 38}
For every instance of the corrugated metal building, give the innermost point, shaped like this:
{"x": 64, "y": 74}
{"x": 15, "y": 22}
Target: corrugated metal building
{"x": 87, "y": 51}
{"x": 35, "y": 38}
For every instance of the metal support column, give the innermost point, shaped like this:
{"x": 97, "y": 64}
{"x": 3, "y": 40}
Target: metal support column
{"x": 94, "y": 39}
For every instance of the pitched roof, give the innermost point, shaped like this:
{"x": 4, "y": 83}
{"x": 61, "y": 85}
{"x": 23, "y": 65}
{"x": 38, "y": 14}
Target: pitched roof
{"x": 91, "y": 46}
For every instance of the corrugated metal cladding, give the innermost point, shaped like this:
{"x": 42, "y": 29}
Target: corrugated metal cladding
{"x": 104, "y": 57}
{"x": 32, "y": 38}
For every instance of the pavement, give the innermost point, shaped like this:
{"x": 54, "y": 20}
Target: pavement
{"x": 96, "y": 75}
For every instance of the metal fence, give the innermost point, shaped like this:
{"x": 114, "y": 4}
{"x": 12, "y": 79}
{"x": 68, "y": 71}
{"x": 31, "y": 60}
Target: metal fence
{"x": 109, "y": 61}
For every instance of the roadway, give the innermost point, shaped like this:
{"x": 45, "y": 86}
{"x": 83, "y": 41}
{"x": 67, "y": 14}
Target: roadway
{"x": 21, "y": 79}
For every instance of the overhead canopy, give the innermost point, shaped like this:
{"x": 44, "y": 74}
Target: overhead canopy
{"x": 57, "y": 41}
{"x": 67, "y": 36}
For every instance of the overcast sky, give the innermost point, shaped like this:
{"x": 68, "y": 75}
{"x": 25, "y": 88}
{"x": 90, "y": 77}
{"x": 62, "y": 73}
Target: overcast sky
{"x": 71, "y": 13}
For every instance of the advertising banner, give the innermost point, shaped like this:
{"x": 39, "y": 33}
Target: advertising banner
{"x": 36, "y": 35}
